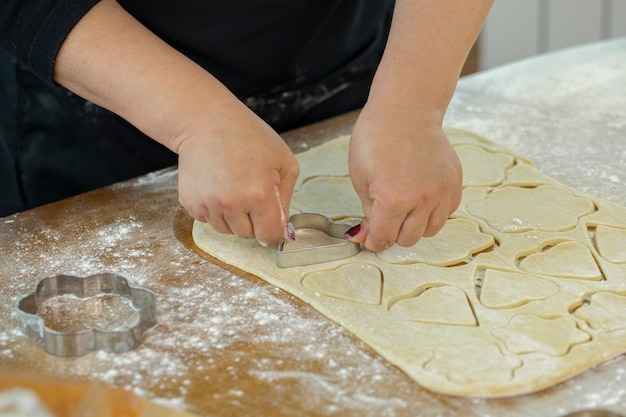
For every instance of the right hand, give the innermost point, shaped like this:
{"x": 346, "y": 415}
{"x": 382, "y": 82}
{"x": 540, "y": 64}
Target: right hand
{"x": 406, "y": 173}
{"x": 238, "y": 176}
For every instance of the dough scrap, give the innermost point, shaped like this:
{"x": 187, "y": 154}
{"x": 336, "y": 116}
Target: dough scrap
{"x": 522, "y": 289}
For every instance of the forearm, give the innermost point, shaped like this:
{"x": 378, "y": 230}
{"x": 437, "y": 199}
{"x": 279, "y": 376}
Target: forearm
{"x": 112, "y": 60}
{"x": 426, "y": 50}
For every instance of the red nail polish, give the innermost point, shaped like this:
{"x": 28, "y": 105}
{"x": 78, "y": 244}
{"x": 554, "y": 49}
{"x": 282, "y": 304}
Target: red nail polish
{"x": 352, "y": 232}
{"x": 290, "y": 233}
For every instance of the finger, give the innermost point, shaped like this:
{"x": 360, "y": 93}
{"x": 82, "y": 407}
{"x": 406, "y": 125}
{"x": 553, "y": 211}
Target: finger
{"x": 268, "y": 220}
{"x": 383, "y": 226}
{"x": 269, "y": 217}
{"x": 437, "y": 220}
{"x": 284, "y": 193}
{"x": 218, "y": 223}
{"x": 199, "y": 217}
{"x": 289, "y": 233}
{"x": 412, "y": 228}
{"x": 197, "y": 213}
{"x": 284, "y": 189}
{"x": 357, "y": 233}
{"x": 240, "y": 224}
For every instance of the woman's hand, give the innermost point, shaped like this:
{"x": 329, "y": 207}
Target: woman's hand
{"x": 239, "y": 179}
{"x": 408, "y": 177}
{"x": 405, "y": 171}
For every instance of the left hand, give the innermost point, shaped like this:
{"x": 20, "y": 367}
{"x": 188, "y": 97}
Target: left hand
{"x": 407, "y": 175}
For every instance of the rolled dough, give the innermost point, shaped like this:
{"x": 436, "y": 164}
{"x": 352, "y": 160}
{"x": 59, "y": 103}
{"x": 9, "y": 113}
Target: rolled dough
{"x": 524, "y": 287}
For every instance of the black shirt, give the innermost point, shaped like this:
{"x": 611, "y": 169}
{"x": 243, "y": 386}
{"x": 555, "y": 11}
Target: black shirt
{"x": 251, "y": 46}
{"x": 293, "y": 62}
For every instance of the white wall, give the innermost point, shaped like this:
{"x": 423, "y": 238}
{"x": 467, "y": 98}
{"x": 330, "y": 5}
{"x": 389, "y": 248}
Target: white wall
{"x": 517, "y": 29}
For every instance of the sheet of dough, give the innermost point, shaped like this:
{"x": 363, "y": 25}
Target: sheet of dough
{"x": 524, "y": 287}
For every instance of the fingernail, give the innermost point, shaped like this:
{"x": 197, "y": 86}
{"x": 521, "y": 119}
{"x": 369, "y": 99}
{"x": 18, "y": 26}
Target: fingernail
{"x": 352, "y": 232}
{"x": 290, "y": 232}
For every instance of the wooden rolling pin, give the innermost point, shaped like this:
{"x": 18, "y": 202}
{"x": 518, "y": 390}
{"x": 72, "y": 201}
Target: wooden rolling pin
{"x": 73, "y": 398}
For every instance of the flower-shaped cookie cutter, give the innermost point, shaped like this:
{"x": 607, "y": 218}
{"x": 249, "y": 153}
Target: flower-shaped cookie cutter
{"x": 76, "y": 343}
{"x": 306, "y": 224}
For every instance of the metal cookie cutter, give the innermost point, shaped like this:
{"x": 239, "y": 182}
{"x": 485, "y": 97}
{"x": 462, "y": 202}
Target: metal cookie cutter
{"x": 76, "y": 343}
{"x": 312, "y": 246}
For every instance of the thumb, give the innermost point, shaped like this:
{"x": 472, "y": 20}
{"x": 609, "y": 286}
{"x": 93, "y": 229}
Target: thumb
{"x": 284, "y": 193}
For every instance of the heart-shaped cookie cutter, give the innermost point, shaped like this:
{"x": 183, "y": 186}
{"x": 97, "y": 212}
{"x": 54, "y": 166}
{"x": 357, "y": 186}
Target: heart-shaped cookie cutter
{"x": 305, "y": 224}
{"x": 76, "y": 343}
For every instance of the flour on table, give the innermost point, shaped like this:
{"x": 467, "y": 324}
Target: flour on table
{"x": 520, "y": 290}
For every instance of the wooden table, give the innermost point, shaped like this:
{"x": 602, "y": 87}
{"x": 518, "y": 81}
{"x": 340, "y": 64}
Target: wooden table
{"x": 228, "y": 344}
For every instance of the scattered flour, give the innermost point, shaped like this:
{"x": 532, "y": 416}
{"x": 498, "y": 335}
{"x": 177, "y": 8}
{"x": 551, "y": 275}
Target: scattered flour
{"x": 205, "y": 323}
{"x": 227, "y": 345}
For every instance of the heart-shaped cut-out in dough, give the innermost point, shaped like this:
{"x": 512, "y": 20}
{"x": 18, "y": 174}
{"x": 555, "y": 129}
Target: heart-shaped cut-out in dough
{"x": 458, "y": 240}
{"x": 505, "y": 289}
{"x": 490, "y": 171}
{"x": 328, "y": 159}
{"x": 568, "y": 259}
{"x": 610, "y": 242}
{"x": 446, "y": 305}
{"x": 554, "y": 208}
{"x": 333, "y": 196}
{"x": 358, "y": 282}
